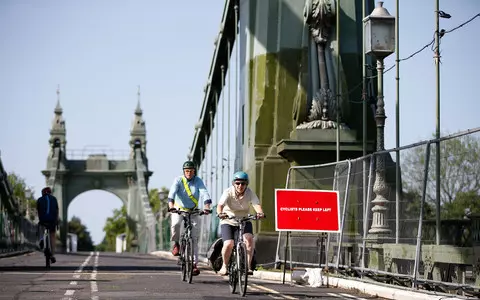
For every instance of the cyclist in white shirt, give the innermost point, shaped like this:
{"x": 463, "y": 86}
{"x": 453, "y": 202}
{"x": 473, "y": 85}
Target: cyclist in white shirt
{"x": 236, "y": 201}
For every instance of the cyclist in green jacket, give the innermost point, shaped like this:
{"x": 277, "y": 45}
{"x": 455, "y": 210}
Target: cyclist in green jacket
{"x": 185, "y": 193}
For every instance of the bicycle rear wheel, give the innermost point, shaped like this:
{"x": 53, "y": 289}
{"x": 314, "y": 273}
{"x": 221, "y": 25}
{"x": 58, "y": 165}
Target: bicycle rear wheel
{"x": 242, "y": 268}
{"x": 232, "y": 272}
{"x": 46, "y": 241}
{"x": 47, "y": 260}
{"x": 183, "y": 273}
{"x": 189, "y": 259}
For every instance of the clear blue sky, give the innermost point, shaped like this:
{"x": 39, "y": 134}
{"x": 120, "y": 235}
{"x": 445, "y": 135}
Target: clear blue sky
{"x": 99, "y": 51}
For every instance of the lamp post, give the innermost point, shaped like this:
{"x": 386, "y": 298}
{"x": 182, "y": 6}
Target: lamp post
{"x": 28, "y": 196}
{"x": 162, "y": 195}
{"x": 438, "y": 34}
{"x": 380, "y": 42}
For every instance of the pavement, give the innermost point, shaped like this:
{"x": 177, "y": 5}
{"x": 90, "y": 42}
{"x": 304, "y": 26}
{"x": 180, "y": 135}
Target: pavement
{"x": 14, "y": 253}
{"x": 362, "y": 287}
{"x": 94, "y": 275}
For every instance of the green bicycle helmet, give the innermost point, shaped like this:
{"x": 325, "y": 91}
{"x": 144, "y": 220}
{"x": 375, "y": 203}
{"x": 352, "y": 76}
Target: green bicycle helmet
{"x": 188, "y": 165}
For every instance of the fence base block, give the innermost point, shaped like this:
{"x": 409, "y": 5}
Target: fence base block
{"x": 15, "y": 253}
{"x": 384, "y": 291}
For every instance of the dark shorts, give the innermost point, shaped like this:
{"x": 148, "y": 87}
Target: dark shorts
{"x": 228, "y": 231}
{"x": 49, "y": 225}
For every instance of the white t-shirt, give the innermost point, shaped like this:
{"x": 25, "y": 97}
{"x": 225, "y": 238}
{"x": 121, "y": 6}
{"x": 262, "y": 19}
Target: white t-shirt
{"x": 238, "y": 207}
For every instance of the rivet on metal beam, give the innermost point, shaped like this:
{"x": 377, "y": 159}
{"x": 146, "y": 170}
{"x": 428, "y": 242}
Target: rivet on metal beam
{"x": 207, "y": 85}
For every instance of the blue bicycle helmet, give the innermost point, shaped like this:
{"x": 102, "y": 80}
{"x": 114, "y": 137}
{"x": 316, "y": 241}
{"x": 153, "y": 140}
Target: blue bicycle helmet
{"x": 240, "y": 175}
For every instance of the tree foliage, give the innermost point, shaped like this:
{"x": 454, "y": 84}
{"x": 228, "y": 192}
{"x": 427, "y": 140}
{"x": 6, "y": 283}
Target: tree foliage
{"x": 459, "y": 176}
{"x": 118, "y": 223}
{"x": 115, "y": 225}
{"x": 84, "y": 240}
{"x": 26, "y": 203}
{"x": 155, "y": 200}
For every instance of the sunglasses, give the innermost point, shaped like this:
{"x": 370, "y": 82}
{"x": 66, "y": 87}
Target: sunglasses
{"x": 240, "y": 183}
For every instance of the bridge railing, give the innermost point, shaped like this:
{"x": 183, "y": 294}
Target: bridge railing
{"x": 17, "y": 233}
{"x": 405, "y": 242}
{"x": 146, "y": 228}
{"x": 83, "y": 154}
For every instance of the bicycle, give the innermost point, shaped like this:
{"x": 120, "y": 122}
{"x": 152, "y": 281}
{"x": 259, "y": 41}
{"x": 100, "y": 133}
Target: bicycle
{"x": 186, "y": 243}
{"x": 47, "y": 246}
{"x": 238, "y": 264}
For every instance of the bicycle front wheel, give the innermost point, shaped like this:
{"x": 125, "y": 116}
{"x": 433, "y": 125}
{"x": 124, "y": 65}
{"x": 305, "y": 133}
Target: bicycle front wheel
{"x": 189, "y": 259}
{"x": 46, "y": 251}
{"x": 183, "y": 273}
{"x": 232, "y": 272}
{"x": 242, "y": 267}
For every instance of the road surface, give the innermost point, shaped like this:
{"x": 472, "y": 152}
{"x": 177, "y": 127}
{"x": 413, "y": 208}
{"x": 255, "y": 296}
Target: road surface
{"x": 104, "y": 276}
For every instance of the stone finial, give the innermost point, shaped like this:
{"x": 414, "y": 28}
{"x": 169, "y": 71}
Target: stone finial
{"x": 58, "y": 108}
{"x": 58, "y": 124}
{"x": 138, "y": 133}
{"x": 138, "y": 110}
{"x": 318, "y": 15}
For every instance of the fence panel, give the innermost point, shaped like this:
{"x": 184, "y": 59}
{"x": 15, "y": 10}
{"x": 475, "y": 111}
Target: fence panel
{"x": 306, "y": 246}
{"x": 393, "y": 228}
{"x": 450, "y": 241}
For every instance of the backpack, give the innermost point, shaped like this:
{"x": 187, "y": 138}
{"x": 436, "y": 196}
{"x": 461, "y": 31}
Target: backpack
{"x": 214, "y": 256}
{"x": 47, "y": 208}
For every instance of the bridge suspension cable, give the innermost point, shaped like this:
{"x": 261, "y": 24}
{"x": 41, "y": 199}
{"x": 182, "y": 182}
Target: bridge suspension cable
{"x": 216, "y": 145}
{"x": 222, "y": 179}
{"x": 236, "y": 86}
{"x": 229, "y": 45}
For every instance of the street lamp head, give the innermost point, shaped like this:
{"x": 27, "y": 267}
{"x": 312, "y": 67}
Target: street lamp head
{"x": 444, "y": 15}
{"x": 379, "y": 32}
{"x": 162, "y": 195}
{"x": 28, "y": 193}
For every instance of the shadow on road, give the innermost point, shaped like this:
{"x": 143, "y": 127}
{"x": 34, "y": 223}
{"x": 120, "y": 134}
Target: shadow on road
{"x": 89, "y": 268}
{"x": 140, "y": 256}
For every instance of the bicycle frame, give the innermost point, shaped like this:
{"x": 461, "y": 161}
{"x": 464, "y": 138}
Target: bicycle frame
{"x": 186, "y": 244}
{"x": 47, "y": 246}
{"x": 238, "y": 265}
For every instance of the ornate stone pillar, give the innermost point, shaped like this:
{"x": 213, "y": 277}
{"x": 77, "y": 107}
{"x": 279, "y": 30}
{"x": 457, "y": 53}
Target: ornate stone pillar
{"x": 380, "y": 188}
{"x": 319, "y": 15}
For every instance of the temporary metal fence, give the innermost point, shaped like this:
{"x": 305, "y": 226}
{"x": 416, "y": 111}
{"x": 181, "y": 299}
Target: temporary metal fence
{"x": 398, "y": 234}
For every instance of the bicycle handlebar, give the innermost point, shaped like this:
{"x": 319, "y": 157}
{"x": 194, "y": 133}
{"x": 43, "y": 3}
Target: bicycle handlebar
{"x": 191, "y": 212}
{"x": 244, "y": 219}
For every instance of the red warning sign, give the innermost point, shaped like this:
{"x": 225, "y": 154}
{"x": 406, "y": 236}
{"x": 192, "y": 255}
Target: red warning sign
{"x": 307, "y": 210}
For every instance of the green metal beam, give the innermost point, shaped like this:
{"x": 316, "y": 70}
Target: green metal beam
{"x": 221, "y": 56}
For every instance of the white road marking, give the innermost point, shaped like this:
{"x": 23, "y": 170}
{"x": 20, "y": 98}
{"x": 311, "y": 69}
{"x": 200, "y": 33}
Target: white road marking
{"x": 273, "y": 292}
{"x": 352, "y": 296}
{"x": 93, "y": 278}
{"x": 76, "y": 275}
{"x": 252, "y": 288}
{"x": 334, "y": 295}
